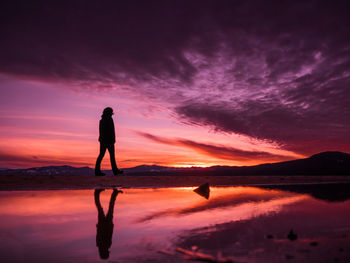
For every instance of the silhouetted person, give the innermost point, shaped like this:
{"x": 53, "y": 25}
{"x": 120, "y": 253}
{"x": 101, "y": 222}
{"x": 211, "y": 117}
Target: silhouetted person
{"x": 105, "y": 224}
{"x": 107, "y": 141}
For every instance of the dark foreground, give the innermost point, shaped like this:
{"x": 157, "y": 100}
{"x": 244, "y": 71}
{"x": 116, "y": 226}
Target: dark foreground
{"x": 42, "y": 182}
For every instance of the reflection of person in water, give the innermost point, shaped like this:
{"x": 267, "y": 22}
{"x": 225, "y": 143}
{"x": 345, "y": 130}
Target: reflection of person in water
{"x": 105, "y": 224}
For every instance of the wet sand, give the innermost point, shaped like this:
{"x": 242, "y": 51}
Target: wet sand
{"x": 43, "y": 182}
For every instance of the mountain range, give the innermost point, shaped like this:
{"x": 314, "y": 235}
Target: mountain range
{"x": 325, "y": 163}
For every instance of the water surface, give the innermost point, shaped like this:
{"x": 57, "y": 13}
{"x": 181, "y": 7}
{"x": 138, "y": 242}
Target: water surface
{"x": 245, "y": 224}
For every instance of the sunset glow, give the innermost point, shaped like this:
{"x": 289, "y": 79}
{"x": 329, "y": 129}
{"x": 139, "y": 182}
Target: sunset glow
{"x": 216, "y": 87}
{"x": 58, "y": 126}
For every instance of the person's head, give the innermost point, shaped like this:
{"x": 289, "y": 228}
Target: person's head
{"x": 107, "y": 112}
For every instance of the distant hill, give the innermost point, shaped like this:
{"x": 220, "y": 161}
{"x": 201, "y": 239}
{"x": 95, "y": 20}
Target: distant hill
{"x": 70, "y": 170}
{"x": 150, "y": 168}
{"x": 326, "y": 163}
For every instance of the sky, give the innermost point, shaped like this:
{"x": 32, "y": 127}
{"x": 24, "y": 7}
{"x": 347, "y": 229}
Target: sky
{"x": 192, "y": 83}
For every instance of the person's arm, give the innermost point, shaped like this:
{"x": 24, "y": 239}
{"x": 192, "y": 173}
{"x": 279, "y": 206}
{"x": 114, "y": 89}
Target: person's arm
{"x": 112, "y": 131}
{"x": 104, "y": 130}
{"x": 100, "y": 131}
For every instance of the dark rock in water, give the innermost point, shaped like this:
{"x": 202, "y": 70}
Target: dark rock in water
{"x": 203, "y": 190}
{"x": 314, "y": 244}
{"x": 269, "y": 236}
{"x": 292, "y": 236}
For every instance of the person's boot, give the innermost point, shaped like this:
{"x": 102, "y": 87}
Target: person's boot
{"x": 99, "y": 173}
{"x": 117, "y": 172}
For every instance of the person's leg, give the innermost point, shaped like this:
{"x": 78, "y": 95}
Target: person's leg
{"x": 109, "y": 215}
{"x": 101, "y": 214}
{"x": 99, "y": 159}
{"x": 112, "y": 156}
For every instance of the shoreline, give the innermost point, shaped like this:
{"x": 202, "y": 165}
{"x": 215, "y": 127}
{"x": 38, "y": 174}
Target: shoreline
{"x": 60, "y": 182}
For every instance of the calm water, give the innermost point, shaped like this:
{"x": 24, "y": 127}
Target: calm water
{"x": 246, "y": 224}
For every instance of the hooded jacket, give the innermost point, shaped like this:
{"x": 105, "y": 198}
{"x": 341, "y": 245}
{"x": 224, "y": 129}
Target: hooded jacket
{"x": 107, "y": 133}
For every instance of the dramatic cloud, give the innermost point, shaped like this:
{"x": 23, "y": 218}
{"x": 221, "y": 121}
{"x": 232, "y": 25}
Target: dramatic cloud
{"x": 273, "y": 70}
{"x": 217, "y": 151}
{"x": 23, "y": 161}
{"x": 316, "y": 127}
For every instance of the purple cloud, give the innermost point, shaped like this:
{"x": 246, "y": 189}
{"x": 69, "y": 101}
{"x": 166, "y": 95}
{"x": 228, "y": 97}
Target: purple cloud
{"x": 217, "y": 151}
{"x": 24, "y": 160}
{"x": 273, "y": 70}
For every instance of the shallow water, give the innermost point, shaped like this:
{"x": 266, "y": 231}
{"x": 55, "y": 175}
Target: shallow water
{"x": 244, "y": 224}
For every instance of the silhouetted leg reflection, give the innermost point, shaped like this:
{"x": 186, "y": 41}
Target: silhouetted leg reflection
{"x": 105, "y": 224}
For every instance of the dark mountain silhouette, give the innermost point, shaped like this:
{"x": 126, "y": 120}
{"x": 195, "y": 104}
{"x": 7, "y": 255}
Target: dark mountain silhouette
{"x": 326, "y": 163}
{"x": 151, "y": 168}
{"x": 70, "y": 170}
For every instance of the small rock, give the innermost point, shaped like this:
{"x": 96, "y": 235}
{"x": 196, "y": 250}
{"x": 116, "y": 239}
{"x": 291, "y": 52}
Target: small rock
{"x": 314, "y": 244}
{"x": 203, "y": 190}
{"x": 292, "y": 236}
